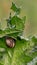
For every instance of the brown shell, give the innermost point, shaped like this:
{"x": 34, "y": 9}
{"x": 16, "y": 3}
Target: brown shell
{"x": 10, "y": 42}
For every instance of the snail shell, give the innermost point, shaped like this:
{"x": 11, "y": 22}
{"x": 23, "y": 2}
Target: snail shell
{"x": 10, "y": 42}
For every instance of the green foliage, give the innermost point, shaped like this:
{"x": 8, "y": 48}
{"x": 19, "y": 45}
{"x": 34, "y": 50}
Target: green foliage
{"x": 34, "y": 39}
{"x": 8, "y": 31}
{"x": 18, "y": 55}
{"x": 15, "y": 8}
{"x": 24, "y": 50}
{"x": 19, "y": 25}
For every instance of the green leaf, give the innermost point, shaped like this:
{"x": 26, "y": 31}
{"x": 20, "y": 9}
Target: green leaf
{"x": 9, "y": 32}
{"x": 34, "y": 39}
{"x": 19, "y": 56}
{"x": 18, "y": 22}
{"x": 15, "y": 8}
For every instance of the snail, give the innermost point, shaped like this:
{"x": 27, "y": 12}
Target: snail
{"x": 10, "y": 42}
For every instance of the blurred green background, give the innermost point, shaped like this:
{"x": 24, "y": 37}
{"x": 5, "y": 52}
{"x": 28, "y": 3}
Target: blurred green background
{"x": 28, "y": 9}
